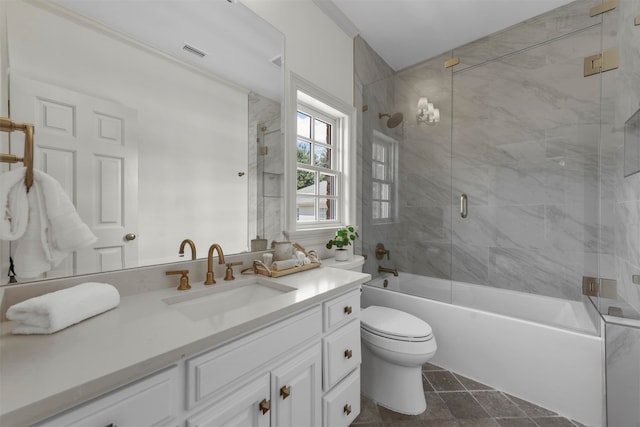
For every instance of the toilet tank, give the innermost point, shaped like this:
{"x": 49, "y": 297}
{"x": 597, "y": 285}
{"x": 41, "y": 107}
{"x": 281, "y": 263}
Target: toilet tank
{"x": 354, "y": 264}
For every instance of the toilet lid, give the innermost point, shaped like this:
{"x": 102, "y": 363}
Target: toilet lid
{"x": 393, "y": 323}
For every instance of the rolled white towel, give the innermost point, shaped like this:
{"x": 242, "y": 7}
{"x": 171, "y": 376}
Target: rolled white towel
{"x": 52, "y": 312}
{"x": 284, "y": 265}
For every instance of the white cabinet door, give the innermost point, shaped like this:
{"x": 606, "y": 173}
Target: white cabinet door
{"x": 297, "y": 390}
{"x": 248, "y": 406}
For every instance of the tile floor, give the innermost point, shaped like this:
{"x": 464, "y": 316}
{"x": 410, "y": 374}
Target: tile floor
{"x": 456, "y": 401}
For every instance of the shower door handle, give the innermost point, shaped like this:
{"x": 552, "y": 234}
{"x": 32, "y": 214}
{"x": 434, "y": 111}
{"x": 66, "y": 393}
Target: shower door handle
{"x": 463, "y": 205}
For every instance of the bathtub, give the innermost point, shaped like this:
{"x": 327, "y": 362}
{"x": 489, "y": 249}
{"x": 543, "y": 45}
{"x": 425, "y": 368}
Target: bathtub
{"x": 545, "y": 350}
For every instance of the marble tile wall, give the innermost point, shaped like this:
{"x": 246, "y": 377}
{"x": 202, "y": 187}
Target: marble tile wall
{"x": 524, "y": 147}
{"x": 620, "y": 195}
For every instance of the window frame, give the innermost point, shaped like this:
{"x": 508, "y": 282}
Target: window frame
{"x": 306, "y": 93}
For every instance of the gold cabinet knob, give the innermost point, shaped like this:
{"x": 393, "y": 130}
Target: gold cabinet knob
{"x": 348, "y": 309}
{"x": 347, "y": 409}
{"x": 285, "y": 391}
{"x": 265, "y": 405}
{"x": 348, "y": 354}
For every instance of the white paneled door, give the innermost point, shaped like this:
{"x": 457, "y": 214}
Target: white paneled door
{"x": 90, "y": 146}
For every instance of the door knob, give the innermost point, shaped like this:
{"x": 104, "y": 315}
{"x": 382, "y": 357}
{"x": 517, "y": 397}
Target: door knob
{"x": 130, "y": 236}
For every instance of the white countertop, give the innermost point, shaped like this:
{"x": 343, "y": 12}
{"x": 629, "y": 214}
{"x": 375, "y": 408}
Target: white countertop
{"x": 43, "y": 374}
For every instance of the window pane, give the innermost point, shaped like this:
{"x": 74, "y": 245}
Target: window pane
{"x": 375, "y": 210}
{"x": 378, "y": 153}
{"x": 305, "y": 209}
{"x": 378, "y": 171}
{"x": 322, "y": 156}
{"x": 327, "y": 209}
{"x": 376, "y": 190}
{"x": 322, "y": 131}
{"x": 327, "y": 185}
{"x": 306, "y": 181}
{"x": 304, "y": 152}
{"x": 384, "y": 210}
{"x": 304, "y": 125}
{"x": 384, "y": 191}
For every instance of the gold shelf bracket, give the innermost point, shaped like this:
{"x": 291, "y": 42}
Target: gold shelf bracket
{"x": 601, "y": 62}
{"x": 451, "y": 62}
{"x": 604, "y": 7}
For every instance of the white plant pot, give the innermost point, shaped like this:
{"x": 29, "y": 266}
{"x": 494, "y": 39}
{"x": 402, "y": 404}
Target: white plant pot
{"x": 342, "y": 254}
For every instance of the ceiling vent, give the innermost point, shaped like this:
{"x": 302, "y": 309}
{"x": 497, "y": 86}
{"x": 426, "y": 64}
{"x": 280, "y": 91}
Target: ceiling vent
{"x": 193, "y": 50}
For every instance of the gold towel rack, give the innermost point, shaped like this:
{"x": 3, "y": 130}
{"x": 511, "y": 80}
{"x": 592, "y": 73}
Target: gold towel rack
{"x": 7, "y": 125}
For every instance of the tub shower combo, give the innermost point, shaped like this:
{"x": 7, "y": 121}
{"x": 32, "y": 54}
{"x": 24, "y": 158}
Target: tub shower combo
{"x": 488, "y": 204}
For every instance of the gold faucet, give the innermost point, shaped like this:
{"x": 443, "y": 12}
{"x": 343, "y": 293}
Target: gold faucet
{"x": 210, "y": 280}
{"x": 191, "y": 245}
{"x": 184, "y": 279}
{"x": 382, "y": 269}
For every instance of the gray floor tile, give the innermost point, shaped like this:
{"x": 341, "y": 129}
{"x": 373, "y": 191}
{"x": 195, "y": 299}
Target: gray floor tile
{"x": 470, "y": 384}
{"x": 531, "y": 409}
{"x": 463, "y": 406}
{"x": 516, "y": 422}
{"x": 443, "y": 381}
{"x": 483, "y": 422}
{"x": 426, "y": 385}
{"x": 432, "y": 367}
{"x": 552, "y": 422}
{"x": 440, "y": 423}
{"x": 388, "y": 416}
{"x": 368, "y": 412}
{"x": 436, "y": 408}
{"x": 497, "y": 404}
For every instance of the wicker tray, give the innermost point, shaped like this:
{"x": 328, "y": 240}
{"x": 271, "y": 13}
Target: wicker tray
{"x": 278, "y": 273}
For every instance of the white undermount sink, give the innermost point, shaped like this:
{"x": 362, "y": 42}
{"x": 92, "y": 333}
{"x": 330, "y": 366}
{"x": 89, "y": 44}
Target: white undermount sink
{"x": 226, "y": 296}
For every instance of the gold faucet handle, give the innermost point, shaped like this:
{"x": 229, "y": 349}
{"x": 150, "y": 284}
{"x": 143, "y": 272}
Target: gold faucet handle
{"x": 184, "y": 279}
{"x": 229, "y": 274}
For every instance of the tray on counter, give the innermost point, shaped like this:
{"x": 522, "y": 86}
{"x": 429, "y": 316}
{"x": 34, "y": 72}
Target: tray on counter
{"x": 278, "y": 273}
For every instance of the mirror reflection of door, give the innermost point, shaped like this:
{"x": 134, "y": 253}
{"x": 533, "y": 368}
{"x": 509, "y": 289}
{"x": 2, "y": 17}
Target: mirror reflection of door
{"x": 89, "y": 145}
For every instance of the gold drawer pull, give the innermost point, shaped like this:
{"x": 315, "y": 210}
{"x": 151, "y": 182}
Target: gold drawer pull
{"x": 347, "y": 409}
{"x": 285, "y": 391}
{"x": 348, "y": 309}
{"x": 265, "y": 405}
{"x": 348, "y": 354}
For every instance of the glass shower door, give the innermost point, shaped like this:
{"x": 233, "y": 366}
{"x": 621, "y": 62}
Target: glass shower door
{"x": 525, "y": 154}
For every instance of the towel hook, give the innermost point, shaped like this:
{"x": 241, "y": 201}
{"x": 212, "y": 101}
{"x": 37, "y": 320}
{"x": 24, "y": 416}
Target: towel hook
{"x": 7, "y": 125}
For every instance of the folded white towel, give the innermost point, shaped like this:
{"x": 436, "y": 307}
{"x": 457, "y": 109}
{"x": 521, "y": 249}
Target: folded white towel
{"x": 13, "y": 195}
{"x": 52, "y": 312}
{"x": 54, "y": 229}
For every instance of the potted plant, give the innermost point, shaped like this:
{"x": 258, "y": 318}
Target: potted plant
{"x": 343, "y": 238}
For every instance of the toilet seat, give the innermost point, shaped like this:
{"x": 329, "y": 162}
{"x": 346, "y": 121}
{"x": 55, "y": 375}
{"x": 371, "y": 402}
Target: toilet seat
{"x": 394, "y": 324}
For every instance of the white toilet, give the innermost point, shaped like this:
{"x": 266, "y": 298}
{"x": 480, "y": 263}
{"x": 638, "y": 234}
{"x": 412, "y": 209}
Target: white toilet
{"x": 395, "y": 345}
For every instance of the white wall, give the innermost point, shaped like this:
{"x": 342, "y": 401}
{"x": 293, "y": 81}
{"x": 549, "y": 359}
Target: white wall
{"x": 194, "y": 192}
{"x": 316, "y": 48}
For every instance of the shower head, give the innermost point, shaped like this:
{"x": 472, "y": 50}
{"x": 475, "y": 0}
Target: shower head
{"x": 393, "y": 121}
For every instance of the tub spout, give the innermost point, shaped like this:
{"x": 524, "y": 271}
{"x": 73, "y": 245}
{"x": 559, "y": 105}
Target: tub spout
{"x": 393, "y": 271}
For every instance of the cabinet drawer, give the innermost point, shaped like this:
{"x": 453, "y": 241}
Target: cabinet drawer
{"x": 342, "y": 405}
{"x": 218, "y": 370}
{"x": 341, "y": 353}
{"x": 152, "y": 401}
{"x": 341, "y": 310}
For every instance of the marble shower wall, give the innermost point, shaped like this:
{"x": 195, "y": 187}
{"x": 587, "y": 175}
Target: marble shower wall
{"x": 620, "y": 205}
{"x": 519, "y": 134}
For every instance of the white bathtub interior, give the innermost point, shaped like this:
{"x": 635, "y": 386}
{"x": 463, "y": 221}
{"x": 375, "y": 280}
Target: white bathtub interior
{"x": 544, "y": 351}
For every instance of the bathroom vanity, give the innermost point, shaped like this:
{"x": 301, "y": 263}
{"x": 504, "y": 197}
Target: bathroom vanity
{"x": 288, "y": 359}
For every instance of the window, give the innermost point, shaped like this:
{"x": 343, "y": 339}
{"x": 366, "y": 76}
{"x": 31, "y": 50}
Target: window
{"x": 317, "y": 167}
{"x": 383, "y": 179}
{"x": 321, "y": 162}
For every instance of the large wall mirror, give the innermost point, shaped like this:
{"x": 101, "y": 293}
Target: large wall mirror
{"x": 161, "y": 120}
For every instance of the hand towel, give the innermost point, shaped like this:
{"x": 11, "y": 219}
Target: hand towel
{"x": 284, "y": 265}
{"x": 54, "y": 229}
{"x": 13, "y": 195}
{"x": 52, "y": 312}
